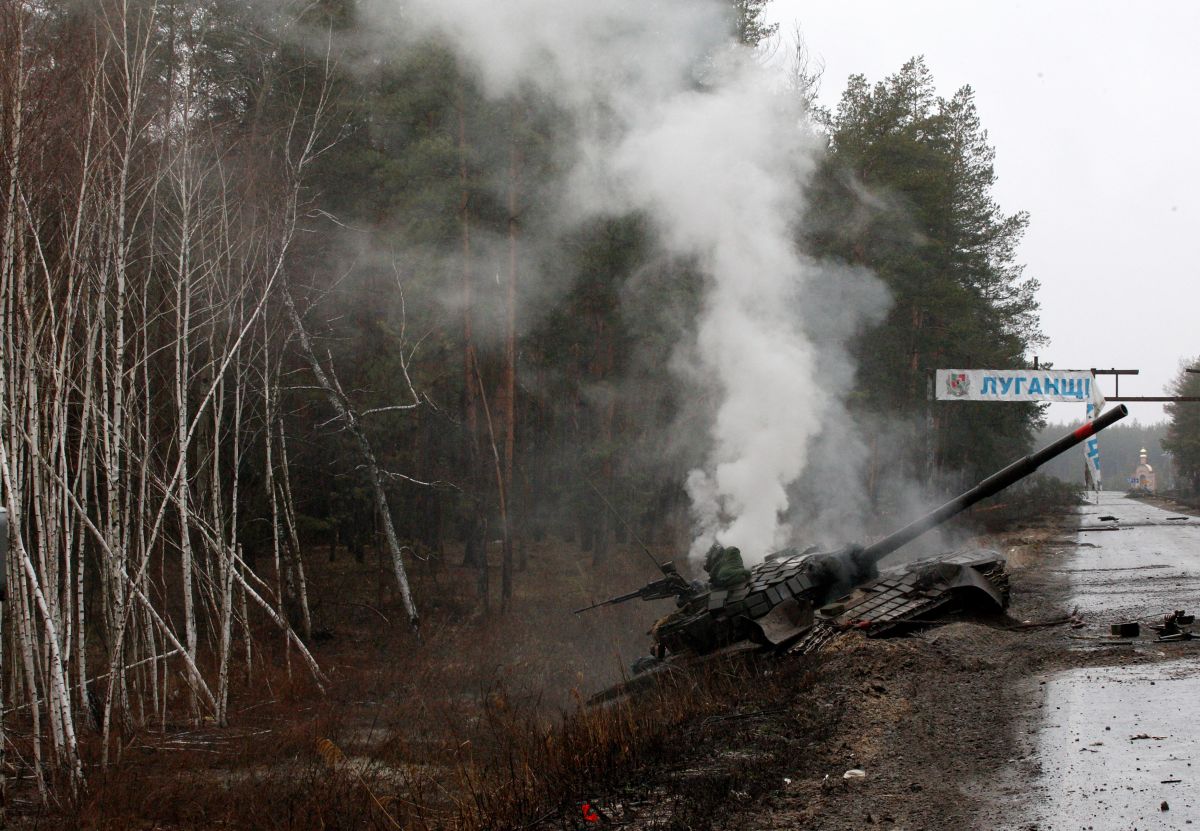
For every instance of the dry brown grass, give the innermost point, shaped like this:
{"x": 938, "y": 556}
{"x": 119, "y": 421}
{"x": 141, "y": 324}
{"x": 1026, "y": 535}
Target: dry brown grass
{"x": 480, "y": 726}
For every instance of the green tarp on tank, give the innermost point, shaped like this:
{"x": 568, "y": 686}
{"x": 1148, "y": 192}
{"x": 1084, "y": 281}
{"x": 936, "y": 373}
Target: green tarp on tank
{"x": 724, "y": 567}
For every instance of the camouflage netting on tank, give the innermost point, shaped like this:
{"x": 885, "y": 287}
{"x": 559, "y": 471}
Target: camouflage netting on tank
{"x": 724, "y": 567}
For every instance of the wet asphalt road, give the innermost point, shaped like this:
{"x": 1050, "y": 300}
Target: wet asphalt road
{"x": 1147, "y": 568}
{"x": 1119, "y": 741}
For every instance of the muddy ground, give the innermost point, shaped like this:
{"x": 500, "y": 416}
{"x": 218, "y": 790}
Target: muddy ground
{"x": 942, "y": 724}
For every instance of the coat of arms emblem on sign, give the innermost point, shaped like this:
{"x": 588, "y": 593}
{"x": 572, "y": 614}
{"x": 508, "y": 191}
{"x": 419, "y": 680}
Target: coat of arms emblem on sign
{"x": 958, "y": 384}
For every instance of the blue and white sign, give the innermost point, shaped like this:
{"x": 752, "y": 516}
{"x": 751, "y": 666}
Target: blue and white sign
{"x": 1017, "y": 385}
{"x": 1091, "y": 448}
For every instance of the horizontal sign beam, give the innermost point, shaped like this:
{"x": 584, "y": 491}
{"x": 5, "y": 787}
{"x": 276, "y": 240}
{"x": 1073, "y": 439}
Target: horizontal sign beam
{"x": 1156, "y": 399}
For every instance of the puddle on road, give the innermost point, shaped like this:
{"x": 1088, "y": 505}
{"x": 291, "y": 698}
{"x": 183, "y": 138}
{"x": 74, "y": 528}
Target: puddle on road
{"x": 1105, "y": 779}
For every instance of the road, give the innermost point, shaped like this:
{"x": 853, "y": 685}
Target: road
{"x": 1118, "y": 748}
{"x": 1152, "y": 562}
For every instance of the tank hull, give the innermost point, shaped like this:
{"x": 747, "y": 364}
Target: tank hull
{"x": 787, "y": 597}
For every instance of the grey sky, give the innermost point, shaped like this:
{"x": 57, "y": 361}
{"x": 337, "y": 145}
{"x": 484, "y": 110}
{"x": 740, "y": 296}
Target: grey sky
{"x": 1092, "y": 109}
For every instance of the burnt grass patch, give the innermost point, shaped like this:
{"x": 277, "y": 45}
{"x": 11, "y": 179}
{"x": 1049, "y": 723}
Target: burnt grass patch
{"x": 920, "y": 716}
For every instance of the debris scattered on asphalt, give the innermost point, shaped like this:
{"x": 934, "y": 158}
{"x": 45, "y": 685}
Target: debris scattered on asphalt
{"x": 1130, "y": 629}
{"x": 1175, "y": 627}
{"x": 1117, "y": 525}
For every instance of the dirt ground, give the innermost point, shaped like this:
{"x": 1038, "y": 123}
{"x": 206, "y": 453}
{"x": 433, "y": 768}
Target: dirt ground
{"x": 1168, "y": 504}
{"x": 941, "y": 724}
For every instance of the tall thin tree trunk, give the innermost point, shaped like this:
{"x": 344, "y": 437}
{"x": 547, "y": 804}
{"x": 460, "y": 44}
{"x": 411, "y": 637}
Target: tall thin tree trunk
{"x": 342, "y": 407}
{"x": 289, "y": 514}
{"x": 475, "y": 543}
{"x": 508, "y": 383}
{"x": 183, "y": 322}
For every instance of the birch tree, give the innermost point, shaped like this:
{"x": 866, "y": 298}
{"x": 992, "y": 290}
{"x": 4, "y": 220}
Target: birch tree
{"x": 141, "y": 262}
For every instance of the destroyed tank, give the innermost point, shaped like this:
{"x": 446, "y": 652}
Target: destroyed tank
{"x": 796, "y": 600}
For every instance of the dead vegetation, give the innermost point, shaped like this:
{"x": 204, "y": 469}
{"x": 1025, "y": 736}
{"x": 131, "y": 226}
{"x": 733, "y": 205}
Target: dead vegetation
{"x": 482, "y": 725}
{"x": 1029, "y": 502}
{"x": 479, "y": 726}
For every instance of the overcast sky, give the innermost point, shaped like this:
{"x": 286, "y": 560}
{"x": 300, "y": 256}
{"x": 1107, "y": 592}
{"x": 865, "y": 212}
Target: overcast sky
{"x": 1093, "y": 110}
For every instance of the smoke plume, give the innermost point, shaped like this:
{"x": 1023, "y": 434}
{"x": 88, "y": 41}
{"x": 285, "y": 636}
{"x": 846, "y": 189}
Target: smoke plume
{"x": 672, "y": 120}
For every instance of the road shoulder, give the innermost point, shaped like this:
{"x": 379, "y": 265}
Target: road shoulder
{"x": 942, "y": 724}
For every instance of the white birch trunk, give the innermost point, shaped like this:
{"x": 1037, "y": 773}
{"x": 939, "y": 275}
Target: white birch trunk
{"x": 350, "y": 420}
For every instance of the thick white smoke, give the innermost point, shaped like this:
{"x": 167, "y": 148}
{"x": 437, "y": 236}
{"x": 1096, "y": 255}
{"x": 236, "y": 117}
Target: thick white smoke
{"x": 673, "y": 121}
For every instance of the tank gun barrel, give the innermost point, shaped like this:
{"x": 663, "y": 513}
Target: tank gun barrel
{"x": 991, "y": 485}
{"x": 612, "y": 601}
{"x": 671, "y": 584}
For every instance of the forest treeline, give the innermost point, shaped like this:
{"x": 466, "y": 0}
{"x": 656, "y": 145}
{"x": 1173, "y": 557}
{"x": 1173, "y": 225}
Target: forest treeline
{"x": 271, "y": 290}
{"x": 1172, "y": 447}
{"x": 1120, "y": 449}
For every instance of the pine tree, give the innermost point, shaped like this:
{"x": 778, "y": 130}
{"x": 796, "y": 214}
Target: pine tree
{"x": 749, "y": 26}
{"x": 1183, "y": 431}
{"x": 906, "y": 191}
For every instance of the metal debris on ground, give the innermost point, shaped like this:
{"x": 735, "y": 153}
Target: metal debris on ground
{"x": 1175, "y": 627}
{"x": 1130, "y": 629}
